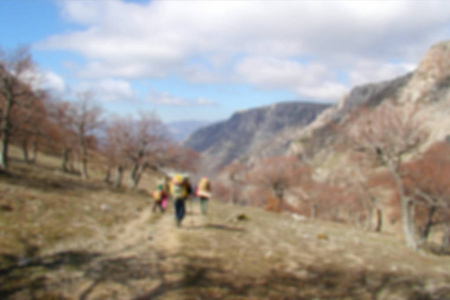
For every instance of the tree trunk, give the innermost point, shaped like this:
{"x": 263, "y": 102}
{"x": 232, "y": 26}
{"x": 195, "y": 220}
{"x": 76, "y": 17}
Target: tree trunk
{"x": 84, "y": 171}
{"x": 408, "y": 223}
{"x": 313, "y": 210}
{"x": 369, "y": 217}
{"x": 379, "y": 220}
{"x": 427, "y": 227}
{"x": 446, "y": 238}
{"x": 35, "y": 151}
{"x": 137, "y": 175}
{"x": 25, "y": 150}
{"x": 407, "y": 209}
{"x": 108, "y": 175}
{"x": 65, "y": 159}
{"x": 4, "y": 132}
{"x": 134, "y": 171}
{"x": 119, "y": 175}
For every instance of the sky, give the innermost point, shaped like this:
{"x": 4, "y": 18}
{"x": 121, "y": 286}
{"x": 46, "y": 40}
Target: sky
{"x": 204, "y": 60}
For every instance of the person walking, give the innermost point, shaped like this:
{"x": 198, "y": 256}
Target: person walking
{"x": 160, "y": 199}
{"x": 180, "y": 191}
{"x": 203, "y": 192}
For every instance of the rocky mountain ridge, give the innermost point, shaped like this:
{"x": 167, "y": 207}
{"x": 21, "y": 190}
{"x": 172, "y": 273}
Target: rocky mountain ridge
{"x": 282, "y": 129}
{"x": 247, "y": 132}
{"x": 428, "y": 87}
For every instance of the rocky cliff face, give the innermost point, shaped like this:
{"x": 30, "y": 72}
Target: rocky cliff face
{"x": 252, "y": 131}
{"x": 428, "y": 87}
{"x": 431, "y": 81}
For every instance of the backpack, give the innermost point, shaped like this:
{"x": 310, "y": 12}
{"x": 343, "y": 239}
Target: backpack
{"x": 157, "y": 195}
{"x": 178, "y": 188}
{"x": 204, "y": 185}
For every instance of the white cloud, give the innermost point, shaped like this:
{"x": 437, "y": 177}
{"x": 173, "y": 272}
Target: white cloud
{"x": 53, "y": 82}
{"x": 44, "y": 80}
{"x": 311, "y": 81}
{"x": 373, "y": 71}
{"x": 161, "y": 38}
{"x": 164, "y": 98}
{"x": 108, "y": 90}
{"x": 326, "y": 91}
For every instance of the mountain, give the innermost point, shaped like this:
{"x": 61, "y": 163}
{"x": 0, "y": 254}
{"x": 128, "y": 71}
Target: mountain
{"x": 428, "y": 88}
{"x": 248, "y": 132}
{"x": 180, "y": 130}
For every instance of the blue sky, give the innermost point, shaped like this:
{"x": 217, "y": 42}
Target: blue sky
{"x": 203, "y": 60}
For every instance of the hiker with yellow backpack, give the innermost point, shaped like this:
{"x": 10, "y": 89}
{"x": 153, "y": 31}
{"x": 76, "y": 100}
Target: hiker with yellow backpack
{"x": 180, "y": 191}
{"x": 203, "y": 192}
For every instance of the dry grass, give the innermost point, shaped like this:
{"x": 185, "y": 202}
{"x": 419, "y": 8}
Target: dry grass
{"x": 47, "y": 215}
{"x": 69, "y": 239}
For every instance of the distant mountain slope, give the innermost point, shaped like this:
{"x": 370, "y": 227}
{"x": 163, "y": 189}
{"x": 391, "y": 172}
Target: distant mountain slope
{"x": 180, "y": 130}
{"x": 247, "y": 131}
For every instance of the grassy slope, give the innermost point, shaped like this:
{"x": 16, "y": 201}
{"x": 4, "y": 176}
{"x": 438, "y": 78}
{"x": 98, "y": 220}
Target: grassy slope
{"x": 58, "y": 243}
{"x": 44, "y": 212}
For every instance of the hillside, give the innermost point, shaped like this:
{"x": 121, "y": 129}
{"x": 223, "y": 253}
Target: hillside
{"x": 249, "y": 131}
{"x": 63, "y": 238}
{"x": 427, "y": 87}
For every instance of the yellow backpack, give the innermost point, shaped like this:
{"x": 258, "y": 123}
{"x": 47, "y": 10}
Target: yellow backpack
{"x": 178, "y": 187}
{"x": 204, "y": 185}
{"x": 157, "y": 195}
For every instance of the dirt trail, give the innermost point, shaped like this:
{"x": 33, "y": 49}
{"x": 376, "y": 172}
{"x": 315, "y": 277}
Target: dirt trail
{"x": 264, "y": 256}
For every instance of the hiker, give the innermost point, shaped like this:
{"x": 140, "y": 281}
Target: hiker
{"x": 160, "y": 198}
{"x": 180, "y": 191}
{"x": 203, "y": 192}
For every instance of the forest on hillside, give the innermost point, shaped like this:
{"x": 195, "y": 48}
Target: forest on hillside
{"x": 77, "y": 130}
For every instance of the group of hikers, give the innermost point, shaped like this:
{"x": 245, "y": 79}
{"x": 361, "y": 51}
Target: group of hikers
{"x": 179, "y": 189}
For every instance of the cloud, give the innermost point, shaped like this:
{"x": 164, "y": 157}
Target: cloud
{"x": 46, "y": 80}
{"x": 372, "y": 71}
{"x": 108, "y": 90}
{"x": 53, "y": 82}
{"x": 309, "y": 80}
{"x": 162, "y": 38}
{"x": 164, "y": 98}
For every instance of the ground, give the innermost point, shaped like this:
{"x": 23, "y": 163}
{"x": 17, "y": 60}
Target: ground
{"x": 115, "y": 247}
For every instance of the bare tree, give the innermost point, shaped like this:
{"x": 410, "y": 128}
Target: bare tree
{"x": 426, "y": 182}
{"x": 279, "y": 174}
{"x": 118, "y": 135}
{"x": 234, "y": 172}
{"x": 86, "y": 119}
{"x": 360, "y": 182}
{"x": 148, "y": 141}
{"x": 14, "y": 67}
{"x": 60, "y": 131}
{"x": 28, "y": 126}
{"x": 386, "y": 136}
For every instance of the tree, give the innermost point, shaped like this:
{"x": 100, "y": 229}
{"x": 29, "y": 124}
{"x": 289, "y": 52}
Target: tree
{"x": 116, "y": 147}
{"x": 14, "y": 67}
{"x": 234, "y": 171}
{"x": 386, "y": 135}
{"x": 359, "y": 181}
{"x": 178, "y": 157}
{"x": 426, "y": 182}
{"x": 60, "y": 131}
{"x": 29, "y": 123}
{"x": 85, "y": 116}
{"x": 147, "y": 142}
{"x": 279, "y": 174}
